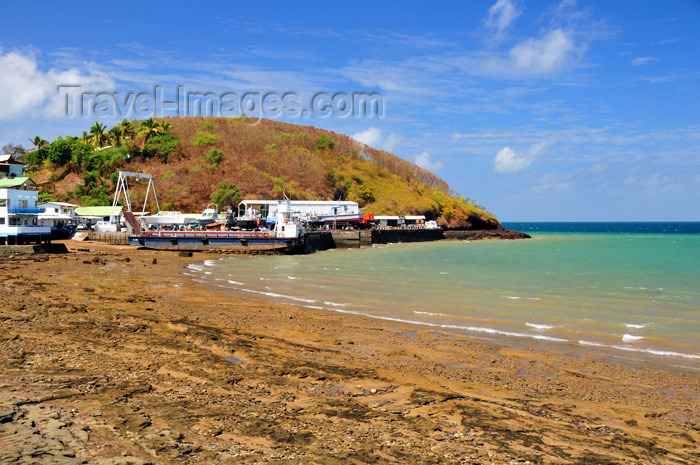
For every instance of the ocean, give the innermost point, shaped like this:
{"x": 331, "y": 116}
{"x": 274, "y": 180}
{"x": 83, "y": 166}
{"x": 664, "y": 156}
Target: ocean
{"x": 629, "y": 291}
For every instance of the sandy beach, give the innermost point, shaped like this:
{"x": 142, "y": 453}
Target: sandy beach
{"x": 110, "y": 355}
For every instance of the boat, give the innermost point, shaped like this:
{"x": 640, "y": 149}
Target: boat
{"x": 165, "y": 217}
{"x": 209, "y": 215}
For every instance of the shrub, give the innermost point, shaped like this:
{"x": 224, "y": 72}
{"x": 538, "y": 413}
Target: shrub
{"x": 59, "y": 152}
{"x": 103, "y": 161}
{"x": 36, "y": 157}
{"x": 361, "y": 194}
{"x": 227, "y": 194}
{"x": 324, "y": 142}
{"x": 162, "y": 146}
{"x": 96, "y": 197}
{"x": 206, "y": 139}
{"x": 208, "y": 125}
{"x": 214, "y": 156}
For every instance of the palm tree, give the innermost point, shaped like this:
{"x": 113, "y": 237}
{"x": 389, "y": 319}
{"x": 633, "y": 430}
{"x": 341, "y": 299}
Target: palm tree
{"x": 128, "y": 131}
{"x": 117, "y": 132}
{"x": 38, "y": 142}
{"x": 166, "y": 126}
{"x": 86, "y": 138}
{"x": 149, "y": 128}
{"x": 100, "y": 136}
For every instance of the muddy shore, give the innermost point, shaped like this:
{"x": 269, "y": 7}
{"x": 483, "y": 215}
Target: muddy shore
{"x": 110, "y": 355}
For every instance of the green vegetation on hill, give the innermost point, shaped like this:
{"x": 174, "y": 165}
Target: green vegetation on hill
{"x": 197, "y": 160}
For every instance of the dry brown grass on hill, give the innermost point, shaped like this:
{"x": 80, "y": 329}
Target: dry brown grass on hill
{"x": 260, "y": 157}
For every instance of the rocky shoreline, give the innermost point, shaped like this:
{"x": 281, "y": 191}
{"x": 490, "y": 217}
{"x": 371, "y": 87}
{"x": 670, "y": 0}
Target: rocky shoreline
{"x": 110, "y": 355}
{"x": 485, "y": 234}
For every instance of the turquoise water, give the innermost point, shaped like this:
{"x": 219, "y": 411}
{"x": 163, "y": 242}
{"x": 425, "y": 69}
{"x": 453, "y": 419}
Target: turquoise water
{"x": 635, "y": 296}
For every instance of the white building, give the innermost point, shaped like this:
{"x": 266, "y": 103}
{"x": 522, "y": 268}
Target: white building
{"x": 59, "y": 216}
{"x": 19, "y": 214}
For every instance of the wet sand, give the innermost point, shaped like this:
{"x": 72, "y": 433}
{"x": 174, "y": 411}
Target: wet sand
{"x": 113, "y": 356}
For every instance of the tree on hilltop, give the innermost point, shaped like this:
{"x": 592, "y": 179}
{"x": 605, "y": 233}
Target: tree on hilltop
{"x": 99, "y": 134}
{"x": 149, "y": 128}
{"x": 38, "y": 142}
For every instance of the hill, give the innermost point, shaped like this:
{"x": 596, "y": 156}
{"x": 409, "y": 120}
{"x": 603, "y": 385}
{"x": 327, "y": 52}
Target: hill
{"x": 196, "y": 161}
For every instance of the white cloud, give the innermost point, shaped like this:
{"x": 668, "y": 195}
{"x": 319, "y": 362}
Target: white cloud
{"x": 548, "y": 54}
{"x": 376, "y": 138}
{"x": 643, "y": 61}
{"x": 508, "y": 161}
{"x": 501, "y": 15}
{"x": 423, "y": 160}
{"x": 27, "y": 89}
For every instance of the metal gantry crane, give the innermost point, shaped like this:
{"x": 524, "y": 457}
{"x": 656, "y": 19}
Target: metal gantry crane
{"x": 123, "y": 188}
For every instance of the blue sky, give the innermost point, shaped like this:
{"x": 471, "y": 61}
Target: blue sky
{"x": 561, "y": 111}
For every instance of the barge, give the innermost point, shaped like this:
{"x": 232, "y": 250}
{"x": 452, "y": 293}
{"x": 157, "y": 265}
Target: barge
{"x": 287, "y": 236}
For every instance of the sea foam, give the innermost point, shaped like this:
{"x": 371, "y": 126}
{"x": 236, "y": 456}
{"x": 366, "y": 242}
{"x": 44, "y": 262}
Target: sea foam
{"x": 539, "y": 326}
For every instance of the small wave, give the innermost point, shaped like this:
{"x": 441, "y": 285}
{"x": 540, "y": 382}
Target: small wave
{"x": 209, "y": 262}
{"x": 512, "y": 297}
{"x": 631, "y": 338}
{"x": 336, "y": 304}
{"x": 428, "y": 313}
{"x": 231, "y": 281}
{"x": 292, "y": 277}
{"x": 589, "y": 343}
{"x": 282, "y": 296}
{"x": 194, "y": 267}
{"x": 538, "y": 326}
{"x": 315, "y": 307}
{"x": 533, "y": 298}
{"x": 631, "y": 325}
{"x": 443, "y": 272}
{"x": 666, "y": 353}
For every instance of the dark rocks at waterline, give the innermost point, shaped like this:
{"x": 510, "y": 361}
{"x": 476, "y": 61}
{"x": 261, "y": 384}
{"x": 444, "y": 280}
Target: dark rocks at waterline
{"x": 478, "y": 234}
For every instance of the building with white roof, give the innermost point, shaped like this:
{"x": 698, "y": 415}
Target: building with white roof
{"x": 19, "y": 214}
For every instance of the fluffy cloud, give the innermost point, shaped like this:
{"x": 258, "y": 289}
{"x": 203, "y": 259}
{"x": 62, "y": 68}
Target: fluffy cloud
{"x": 508, "y": 161}
{"x": 24, "y": 88}
{"x": 548, "y": 54}
{"x": 423, "y": 160}
{"x": 376, "y": 138}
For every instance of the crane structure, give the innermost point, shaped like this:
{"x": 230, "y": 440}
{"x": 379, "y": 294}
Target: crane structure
{"x": 123, "y": 188}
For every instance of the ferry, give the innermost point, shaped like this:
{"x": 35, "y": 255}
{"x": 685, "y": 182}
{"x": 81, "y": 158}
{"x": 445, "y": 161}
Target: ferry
{"x": 287, "y": 235}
